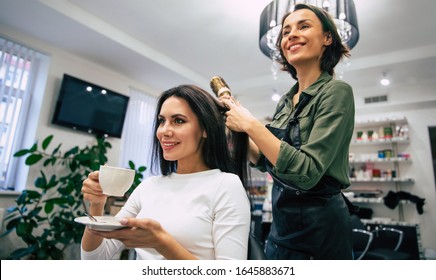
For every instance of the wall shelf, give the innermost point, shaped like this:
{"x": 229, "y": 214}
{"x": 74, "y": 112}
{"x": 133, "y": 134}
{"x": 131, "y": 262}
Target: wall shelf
{"x": 382, "y": 180}
{"x": 382, "y": 161}
{"x": 397, "y": 140}
{"x": 375, "y": 200}
{"x": 380, "y": 122}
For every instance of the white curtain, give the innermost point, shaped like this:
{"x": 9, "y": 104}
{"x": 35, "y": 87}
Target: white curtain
{"x": 137, "y": 137}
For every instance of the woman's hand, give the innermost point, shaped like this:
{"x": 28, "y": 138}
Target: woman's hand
{"x": 92, "y": 190}
{"x": 141, "y": 233}
{"x": 147, "y": 233}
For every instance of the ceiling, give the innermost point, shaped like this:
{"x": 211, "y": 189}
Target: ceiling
{"x": 165, "y": 43}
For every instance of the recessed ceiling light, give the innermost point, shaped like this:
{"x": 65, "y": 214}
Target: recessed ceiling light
{"x": 275, "y": 97}
{"x": 385, "y": 82}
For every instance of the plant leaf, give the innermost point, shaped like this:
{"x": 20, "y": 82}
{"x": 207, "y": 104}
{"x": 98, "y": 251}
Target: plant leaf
{"x": 71, "y": 152}
{"x": 22, "y": 198}
{"x": 23, "y": 229}
{"x": 47, "y": 162}
{"x": 46, "y": 142}
{"x": 33, "y": 148}
{"x": 56, "y": 149}
{"x": 21, "y": 153}
{"x": 48, "y": 207}
{"x": 32, "y": 159}
{"x": 12, "y": 209}
{"x": 34, "y": 212}
{"x": 33, "y": 194}
{"x": 22, "y": 252}
{"x": 13, "y": 223}
{"x": 42, "y": 219}
{"x": 41, "y": 183}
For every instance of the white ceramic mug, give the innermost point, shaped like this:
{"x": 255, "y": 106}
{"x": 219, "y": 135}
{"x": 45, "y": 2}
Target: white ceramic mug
{"x": 115, "y": 181}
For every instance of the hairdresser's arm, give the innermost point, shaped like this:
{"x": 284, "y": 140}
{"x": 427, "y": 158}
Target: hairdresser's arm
{"x": 253, "y": 151}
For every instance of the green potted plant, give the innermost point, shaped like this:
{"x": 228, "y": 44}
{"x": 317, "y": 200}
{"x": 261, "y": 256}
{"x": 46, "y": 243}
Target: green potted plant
{"x": 43, "y": 217}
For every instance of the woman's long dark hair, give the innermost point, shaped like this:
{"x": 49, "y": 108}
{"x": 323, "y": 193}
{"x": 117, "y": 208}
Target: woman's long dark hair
{"x": 332, "y": 54}
{"x": 225, "y": 151}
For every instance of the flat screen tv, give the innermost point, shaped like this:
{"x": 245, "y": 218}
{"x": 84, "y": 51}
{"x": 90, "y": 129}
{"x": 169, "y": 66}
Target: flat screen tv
{"x": 84, "y": 106}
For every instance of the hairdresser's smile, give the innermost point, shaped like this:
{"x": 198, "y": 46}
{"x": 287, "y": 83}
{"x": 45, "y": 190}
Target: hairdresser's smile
{"x": 295, "y": 47}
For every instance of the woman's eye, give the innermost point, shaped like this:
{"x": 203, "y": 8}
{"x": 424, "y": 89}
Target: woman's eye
{"x": 161, "y": 121}
{"x": 304, "y": 26}
{"x": 178, "y": 121}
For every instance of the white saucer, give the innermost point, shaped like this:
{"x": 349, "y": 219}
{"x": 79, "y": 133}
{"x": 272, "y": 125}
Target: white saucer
{"x": 105, "y": 223}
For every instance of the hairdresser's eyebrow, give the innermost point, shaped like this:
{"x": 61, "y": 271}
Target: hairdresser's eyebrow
{"x": 300, "y": 22}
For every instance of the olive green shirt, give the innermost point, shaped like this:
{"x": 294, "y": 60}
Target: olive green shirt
{"x": 326, "y": 128}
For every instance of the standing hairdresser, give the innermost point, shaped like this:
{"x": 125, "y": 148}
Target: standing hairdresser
{"x": 305, "y": 148}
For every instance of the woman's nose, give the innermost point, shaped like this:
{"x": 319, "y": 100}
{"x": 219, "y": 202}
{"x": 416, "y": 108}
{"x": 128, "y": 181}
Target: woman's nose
{"x": 292, "y": 34}
{"x": 166, "y": 130}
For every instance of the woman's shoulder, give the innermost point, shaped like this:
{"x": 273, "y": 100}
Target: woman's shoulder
{"x": 230, "y": 183}
{"x": 335, "y": 90}
{"x": 150, "y": 181}
{"x": 231, "y": 177}
{"x": 214, "y": 173}
{"x": 338, "y": 85}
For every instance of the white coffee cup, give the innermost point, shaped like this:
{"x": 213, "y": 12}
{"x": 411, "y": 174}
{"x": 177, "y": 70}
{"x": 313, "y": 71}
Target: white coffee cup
{"x": 115, "y": 181}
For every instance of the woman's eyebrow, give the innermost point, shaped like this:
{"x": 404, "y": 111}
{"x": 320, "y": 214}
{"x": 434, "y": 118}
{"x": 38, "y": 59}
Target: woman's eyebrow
{"x": 173, "y": 116}
{"x": 298, "y": 23}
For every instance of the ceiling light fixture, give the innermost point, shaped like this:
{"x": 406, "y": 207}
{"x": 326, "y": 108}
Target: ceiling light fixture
{"x": 342, "y": 11}
{"x": 385, "y": 81}
{"x": 275, "y": 97}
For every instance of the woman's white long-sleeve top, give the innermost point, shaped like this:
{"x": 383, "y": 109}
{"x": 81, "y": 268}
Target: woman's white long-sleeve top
{"x": 207, "y": 212}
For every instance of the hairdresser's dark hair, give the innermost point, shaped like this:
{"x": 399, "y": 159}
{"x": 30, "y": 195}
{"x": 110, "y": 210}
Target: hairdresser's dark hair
{"x": 332, "y": 54}
{"x": 216, "y": 152}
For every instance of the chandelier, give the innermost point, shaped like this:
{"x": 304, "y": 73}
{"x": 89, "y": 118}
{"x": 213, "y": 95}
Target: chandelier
{"x": 342, "y": 11}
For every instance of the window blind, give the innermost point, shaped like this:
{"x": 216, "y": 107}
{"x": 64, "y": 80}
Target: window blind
{"x": 137, "y": 134}
{"x": 17, "y": 64}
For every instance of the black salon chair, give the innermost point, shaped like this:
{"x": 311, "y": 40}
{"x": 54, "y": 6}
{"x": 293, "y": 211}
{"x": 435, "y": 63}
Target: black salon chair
{"x": 255, "y": 248}
{"x": 382, "y": 243}
{"x": 362, "y": 238}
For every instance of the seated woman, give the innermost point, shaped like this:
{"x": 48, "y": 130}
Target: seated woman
{"x": 198, "y": 208}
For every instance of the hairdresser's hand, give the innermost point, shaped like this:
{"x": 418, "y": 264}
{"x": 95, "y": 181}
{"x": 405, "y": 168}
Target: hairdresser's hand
{"x": 93, "y": 192}
{"x": 238, "y": 118}
{"x": 140, "y": 233}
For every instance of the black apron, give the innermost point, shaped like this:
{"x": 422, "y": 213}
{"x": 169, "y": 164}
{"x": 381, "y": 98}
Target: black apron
{"x": 307, "y": 224}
